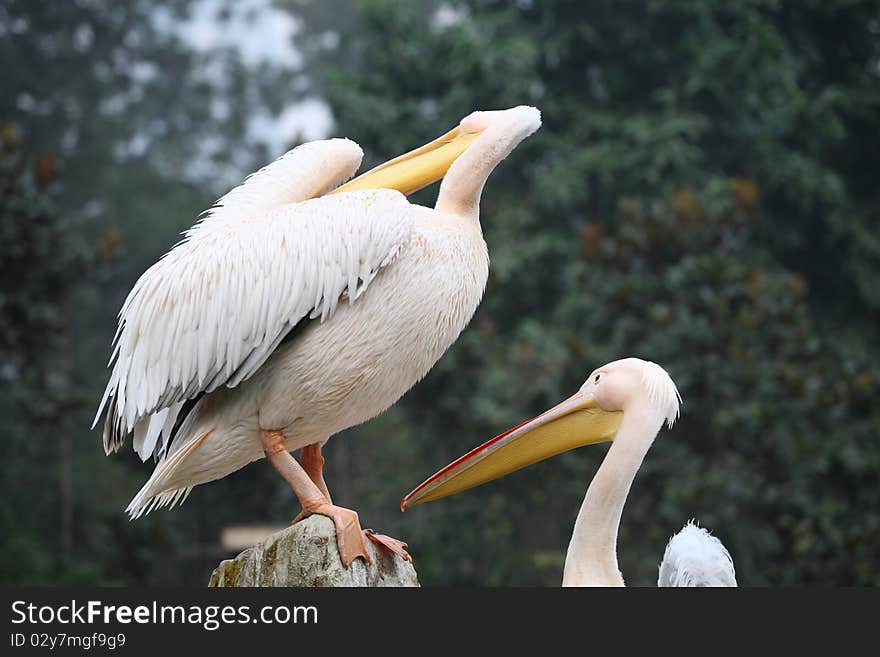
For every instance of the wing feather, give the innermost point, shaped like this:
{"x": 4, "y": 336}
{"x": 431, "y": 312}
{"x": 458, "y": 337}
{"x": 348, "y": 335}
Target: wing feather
{"x": 213, "y": 310}
{"x": 307, "y": 171}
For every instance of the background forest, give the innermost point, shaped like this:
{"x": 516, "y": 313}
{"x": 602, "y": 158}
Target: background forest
{"x": 703, "y": 193}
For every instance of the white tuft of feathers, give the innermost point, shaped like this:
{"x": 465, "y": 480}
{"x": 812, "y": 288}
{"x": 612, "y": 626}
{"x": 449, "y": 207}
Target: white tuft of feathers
{"x": 661, "y": 391}
{"x": 694, "y": 557}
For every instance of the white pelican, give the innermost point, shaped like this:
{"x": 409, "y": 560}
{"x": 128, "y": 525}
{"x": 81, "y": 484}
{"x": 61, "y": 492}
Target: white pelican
{"x": 626, "y": 402}
{"x": 290, "y": 312}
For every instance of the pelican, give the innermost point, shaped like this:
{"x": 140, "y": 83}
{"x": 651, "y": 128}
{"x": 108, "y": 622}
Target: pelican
{"x": 298, "y": 307}
{"x": 627, "y": 402}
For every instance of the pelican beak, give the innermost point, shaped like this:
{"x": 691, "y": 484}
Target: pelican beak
{"x": 419, "y": 168}
{"x": 576, "y": 422}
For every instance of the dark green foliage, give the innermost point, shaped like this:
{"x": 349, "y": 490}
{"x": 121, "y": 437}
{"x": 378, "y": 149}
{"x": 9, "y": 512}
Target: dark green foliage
{"x": 39, "y": 262}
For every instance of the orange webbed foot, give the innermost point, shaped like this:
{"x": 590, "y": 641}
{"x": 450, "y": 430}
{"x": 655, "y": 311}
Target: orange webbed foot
{"x": 349, "y": 536}
{"x": 391, "y": 544}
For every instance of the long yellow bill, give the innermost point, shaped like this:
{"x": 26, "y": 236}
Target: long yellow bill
{"x": 576, "y": 422}
{"x": 419, "y": 168}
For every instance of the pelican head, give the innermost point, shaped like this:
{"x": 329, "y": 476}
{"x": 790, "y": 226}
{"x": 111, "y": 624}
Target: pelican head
{"x": 463, "y": 157}
{"x": 593, "y": 414}
{"x": 621, "y": 384}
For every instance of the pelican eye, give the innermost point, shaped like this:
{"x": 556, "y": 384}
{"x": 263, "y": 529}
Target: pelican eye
{"x": 596, "y": 380}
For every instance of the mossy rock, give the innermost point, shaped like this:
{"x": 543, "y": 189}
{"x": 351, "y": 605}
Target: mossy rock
{"x": 305, "y": 555}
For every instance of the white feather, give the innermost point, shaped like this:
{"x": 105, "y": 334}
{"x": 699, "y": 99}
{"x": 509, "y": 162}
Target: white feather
{"x": 661, "y": 391}
{"x": 694, "y": 557}
{"x": 147, "y": 446}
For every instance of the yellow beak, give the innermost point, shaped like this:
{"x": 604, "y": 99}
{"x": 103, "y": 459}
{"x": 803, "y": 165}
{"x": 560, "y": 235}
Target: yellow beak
{"x": 576, "y": 422}
{"x": 419, "y": 168}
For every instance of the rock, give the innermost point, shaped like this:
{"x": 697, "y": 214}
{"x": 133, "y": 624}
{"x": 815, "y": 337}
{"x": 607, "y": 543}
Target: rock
{"x": 305, "y": 554}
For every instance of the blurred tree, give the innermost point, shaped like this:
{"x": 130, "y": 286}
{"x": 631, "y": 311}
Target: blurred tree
{"x": 36, "y": 276}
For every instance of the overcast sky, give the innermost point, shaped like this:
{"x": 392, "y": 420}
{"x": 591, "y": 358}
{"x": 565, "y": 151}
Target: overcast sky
{"x": 262, "y": 34}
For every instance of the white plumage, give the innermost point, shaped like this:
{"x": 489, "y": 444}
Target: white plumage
{"x": 694, "y": 557}
{"x": 286, "y": 310}
{"x": 191, "y": 323}
{"x": 217, "y": 305}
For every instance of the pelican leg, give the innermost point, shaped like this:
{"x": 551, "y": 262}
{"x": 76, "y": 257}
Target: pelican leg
{"x": 349, "y": 536}
{"x": 313, "y": 463}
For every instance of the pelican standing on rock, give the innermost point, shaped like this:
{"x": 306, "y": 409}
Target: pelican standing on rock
{"x": 626, "y": 402}
{"x": 296, "y": 308}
